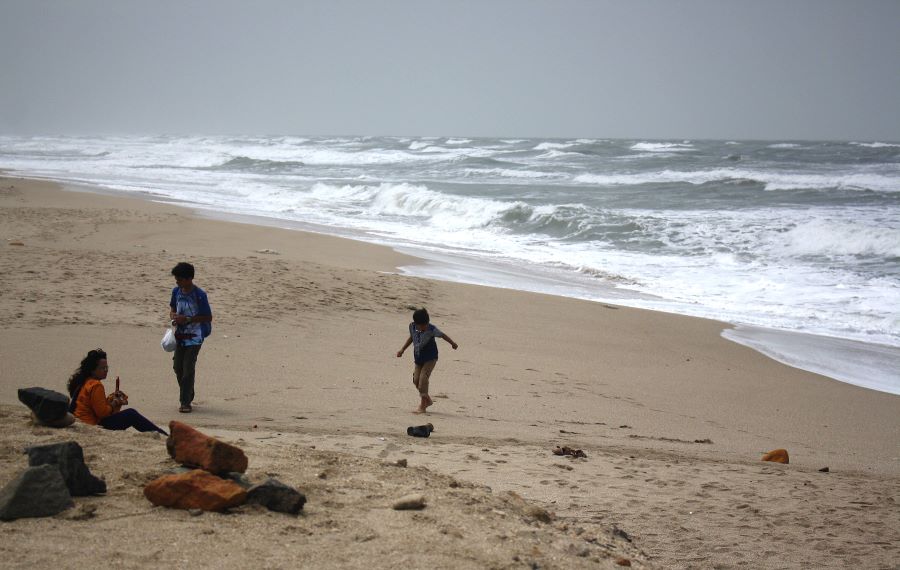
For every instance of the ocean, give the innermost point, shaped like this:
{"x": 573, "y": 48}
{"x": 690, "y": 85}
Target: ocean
{"x": 797, "y": 243}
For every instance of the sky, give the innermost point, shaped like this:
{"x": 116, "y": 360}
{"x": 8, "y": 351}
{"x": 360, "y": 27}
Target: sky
{"x": 692, "y": 69}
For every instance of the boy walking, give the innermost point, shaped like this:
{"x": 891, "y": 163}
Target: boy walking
{"x": 189, "y": 309}
{"x": 422, "y": 335}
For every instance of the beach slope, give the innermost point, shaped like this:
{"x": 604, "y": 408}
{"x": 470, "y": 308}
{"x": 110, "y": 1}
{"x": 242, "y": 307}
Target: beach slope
{"x": 301, "y": 371}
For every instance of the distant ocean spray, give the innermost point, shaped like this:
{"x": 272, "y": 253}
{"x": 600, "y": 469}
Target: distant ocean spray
{"x": 798, "y": 243}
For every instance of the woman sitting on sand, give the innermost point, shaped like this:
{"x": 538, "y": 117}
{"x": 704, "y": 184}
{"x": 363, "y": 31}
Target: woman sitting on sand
{"x": 90, "y": 403}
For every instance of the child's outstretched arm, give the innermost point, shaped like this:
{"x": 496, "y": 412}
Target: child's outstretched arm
{"x": 405, "y": 346}
{"x": 450, "y": 340}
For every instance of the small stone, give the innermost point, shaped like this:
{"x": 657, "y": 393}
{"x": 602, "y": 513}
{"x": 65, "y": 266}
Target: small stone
{"x": 777, "y": 456}
{"x": 400, "y": 463}
{"x": 16, "y": 243}
{"x": 37, "y": 492}
{"x": 824, "y": 470}
{"x": 195, "y": 512}
{"x": 623, "y": 562}
{"x": 537, "y": 513}
{"x": 409, "y": 503}
{"x": 238, "y": 478}
{"x": 616, "y": 531}
{"x": 82, "y": 513}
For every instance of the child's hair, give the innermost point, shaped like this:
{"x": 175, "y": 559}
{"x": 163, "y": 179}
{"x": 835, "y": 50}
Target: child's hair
{"x": 183, "y": 270}
{"x": 420, "y": 317}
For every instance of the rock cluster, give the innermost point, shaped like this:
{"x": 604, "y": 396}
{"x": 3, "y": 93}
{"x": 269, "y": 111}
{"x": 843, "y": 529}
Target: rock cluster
{"x": 55, "y": 474}
{"x": 216, "y": 483}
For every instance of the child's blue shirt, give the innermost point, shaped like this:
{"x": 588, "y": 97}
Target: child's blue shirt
{"x": 424, "y": 345}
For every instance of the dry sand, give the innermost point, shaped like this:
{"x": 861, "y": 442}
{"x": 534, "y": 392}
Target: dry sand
{"x": 301, "y": 372}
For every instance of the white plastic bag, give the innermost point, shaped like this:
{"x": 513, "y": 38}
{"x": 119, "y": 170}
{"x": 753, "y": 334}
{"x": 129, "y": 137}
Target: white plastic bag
{"x": 169, "y": 342}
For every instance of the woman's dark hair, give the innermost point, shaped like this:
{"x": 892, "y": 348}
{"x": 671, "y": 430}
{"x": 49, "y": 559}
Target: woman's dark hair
{"x": 88, "y": 364}
{"x": 184, "y": 270}
{"x": 420, "y": 317}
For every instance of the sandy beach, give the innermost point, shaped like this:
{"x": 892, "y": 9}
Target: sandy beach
{"x": 301, "y": 371}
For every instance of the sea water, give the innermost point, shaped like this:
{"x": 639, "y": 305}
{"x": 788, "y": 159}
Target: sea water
{"x": 797, "y": 243}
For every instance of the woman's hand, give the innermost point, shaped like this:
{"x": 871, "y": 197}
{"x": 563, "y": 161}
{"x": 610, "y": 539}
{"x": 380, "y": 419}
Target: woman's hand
{"x": 117, "y": 400}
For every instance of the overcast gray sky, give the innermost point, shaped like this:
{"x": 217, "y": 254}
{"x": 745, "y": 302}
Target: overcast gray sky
{"x": 781, "y": 69}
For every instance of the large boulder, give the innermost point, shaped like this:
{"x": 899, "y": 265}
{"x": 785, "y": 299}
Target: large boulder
{"x": 276, "y": 496}
{"x": 49, "y": 407}
{"x": 69, "y": 458}
{"x": 777, "y": 456}
{"x": 189, "y": 447}
{"x": 36, "y": 492}
{"x": 196, "y": 489}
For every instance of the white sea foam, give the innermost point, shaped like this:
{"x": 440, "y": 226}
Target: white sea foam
{"x": 831, "y": 237}
{"x": 662, "y": 147}
{"x": 510, "y": 173}
{"x": 877, "y": 144}
{"x": 772, "y": 180}
{"x": 553, "y": 145}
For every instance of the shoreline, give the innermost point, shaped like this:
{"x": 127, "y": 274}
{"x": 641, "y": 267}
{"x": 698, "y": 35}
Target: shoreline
{"x": 673, "y": 418}
{"x": 845, "y": 360}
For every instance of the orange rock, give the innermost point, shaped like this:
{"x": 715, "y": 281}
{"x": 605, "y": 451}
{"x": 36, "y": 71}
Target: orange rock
{"x": 194, "y": 449}
{"x": 623, "y": 562}
{"x": 195, "y": 489}
{"x": 777, "y": 456}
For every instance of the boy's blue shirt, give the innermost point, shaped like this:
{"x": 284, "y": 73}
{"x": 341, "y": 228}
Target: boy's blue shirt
{"x": 193, "y": 304}
{"x": 424, "y": 346}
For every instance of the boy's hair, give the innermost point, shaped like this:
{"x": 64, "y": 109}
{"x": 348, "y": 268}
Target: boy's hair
{"x": 184, "y": 270}
{"x": 420, "y": 317}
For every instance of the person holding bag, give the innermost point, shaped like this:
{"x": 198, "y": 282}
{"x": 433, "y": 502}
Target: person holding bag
{"x": 189, "y": 310}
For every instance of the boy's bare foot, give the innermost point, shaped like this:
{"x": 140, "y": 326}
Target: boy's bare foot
{"x": 428, "y": 401}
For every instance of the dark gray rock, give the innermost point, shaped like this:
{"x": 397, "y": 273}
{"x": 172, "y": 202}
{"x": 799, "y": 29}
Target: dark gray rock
{"x": 69, "y": 459}
{"x": 47, "y": 405}
{"x": 36, "y": 492}
{"x": 276, "y": 496}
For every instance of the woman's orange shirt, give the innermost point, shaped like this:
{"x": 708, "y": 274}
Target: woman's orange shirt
{"x": 91, "y": 405}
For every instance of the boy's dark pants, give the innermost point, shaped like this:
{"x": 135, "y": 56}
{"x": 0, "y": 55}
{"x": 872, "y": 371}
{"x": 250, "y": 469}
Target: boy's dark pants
{"x": 184, "y": 363}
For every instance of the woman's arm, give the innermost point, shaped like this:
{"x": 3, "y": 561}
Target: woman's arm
{"x": 101, "y": 405}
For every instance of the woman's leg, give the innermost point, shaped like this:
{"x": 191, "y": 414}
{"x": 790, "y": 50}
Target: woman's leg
{"x": 129, "y": 418}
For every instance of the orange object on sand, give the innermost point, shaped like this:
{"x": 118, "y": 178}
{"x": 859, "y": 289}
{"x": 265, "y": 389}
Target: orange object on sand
{"x": 777, "y": 456}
